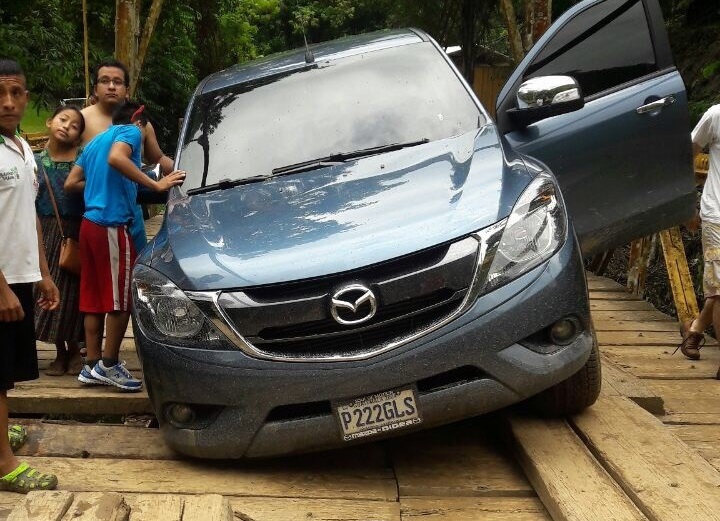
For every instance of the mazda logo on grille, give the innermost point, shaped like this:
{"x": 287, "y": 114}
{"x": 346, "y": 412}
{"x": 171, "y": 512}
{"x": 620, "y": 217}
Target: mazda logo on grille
{"x": 353, "y": 304}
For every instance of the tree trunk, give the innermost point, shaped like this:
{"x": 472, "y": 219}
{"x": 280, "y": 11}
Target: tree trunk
{"x": 127, "y": 14}
{"x": 516, "y": 46}
{"x": 467, "y": 37}
{"x": 148, "y": 29}
{"x": 542, "y": 13}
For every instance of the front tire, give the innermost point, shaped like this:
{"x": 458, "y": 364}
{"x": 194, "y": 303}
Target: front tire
{"x": 574, "y": 394}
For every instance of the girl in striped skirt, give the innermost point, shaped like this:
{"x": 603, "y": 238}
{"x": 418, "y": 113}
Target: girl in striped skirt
{"x": 64, "y": 326}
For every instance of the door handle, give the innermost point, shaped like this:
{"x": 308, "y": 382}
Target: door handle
{"x": 656, "y": 105}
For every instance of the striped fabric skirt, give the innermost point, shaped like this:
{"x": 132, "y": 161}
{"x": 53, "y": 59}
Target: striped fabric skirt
{"x": 66, "y": 322}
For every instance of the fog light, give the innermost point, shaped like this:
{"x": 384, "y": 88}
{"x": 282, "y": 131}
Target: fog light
{"x": 564, "y": 331}
{"x": 180, "y": 414}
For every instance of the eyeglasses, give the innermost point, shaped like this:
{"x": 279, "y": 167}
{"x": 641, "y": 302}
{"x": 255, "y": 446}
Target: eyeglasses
{"x": 115, "y": 81}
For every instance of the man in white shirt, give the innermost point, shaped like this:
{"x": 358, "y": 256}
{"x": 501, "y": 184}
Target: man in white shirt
{"x": 707, "y": 134}
{"x": 22, "y": 264}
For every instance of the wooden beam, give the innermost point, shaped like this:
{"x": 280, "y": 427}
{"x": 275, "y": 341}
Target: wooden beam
{"x": 679, "y": 274}
{"x": 570, "y": 482}
{"x": 630, "y": 386}
{"x": 640, "y": 254}
{"x": 665, "y": 478}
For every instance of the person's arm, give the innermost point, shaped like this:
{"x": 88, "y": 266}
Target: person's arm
{"x": 119, "y": 159}
{"x": 152, "y": 152}
{"x": 75, "y": 181}
{"x": 10, "y": 308}
{"x": 49, "y": 294}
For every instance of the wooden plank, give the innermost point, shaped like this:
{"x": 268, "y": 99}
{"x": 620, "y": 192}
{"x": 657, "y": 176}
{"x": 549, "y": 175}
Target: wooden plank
{"x": 637, "y": 325}
{"x": 705, "y": 439}
{"x": 156, "y": 507}
{"x": 457, "y": 460}
{"x": 42, "y": 506}
{"x": 596, "y": 282}
{"x": 105, "y": 507}
{"x": 62, "y": 440}
{"x": 29, "y": 399}
{"x": 658, "y": 362}
{"x": 638, "y": 338}
{"x": 688, "y": 396}
{"x": 680, "y": 418}
{"x": 570, "y": 482}
{"x": 306, "y": 509}
{"x": 628, "y": 385}
{"x": 674, "y": 483}
{"x": 287, "y": 478}
{"x": 628, "y": 306}
{"x": 208, "y": 507}
{"x": 612, "y": 295}
{"x": 473, "y": 509}
{"x": 679, "y": 274}
{"x": 644, "y": 316}
{"x": 282, "y": 508}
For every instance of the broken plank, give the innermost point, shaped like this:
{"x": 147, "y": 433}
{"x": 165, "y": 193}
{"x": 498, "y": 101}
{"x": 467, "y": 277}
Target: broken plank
{"x": 456, "y": 460}
{"x": 665, "y": 478}
{"x": 42, "y": 506}
{"x": 570, "y": 482}
{"x": 473, "y": 509}
{"x": 156, "y": 507}
{"x": 688, "y": 396}
{"x": 628, "y": 385}
{"x": 105, "y": 507}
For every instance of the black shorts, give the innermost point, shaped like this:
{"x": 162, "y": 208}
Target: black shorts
{"x": 18, "y": 356}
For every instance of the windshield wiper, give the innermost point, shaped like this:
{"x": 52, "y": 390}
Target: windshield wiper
{"x": 306, "y": 166}
{"x": 340, "y": 157}
{"x": 224, "y": 184}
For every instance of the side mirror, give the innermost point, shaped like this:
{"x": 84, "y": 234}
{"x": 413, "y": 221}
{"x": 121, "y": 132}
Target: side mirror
{"x": 147, "y": 196}
{"x": 546, "y": 96}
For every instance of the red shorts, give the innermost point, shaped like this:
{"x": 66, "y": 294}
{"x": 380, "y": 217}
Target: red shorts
{"x": 107, "y": 256}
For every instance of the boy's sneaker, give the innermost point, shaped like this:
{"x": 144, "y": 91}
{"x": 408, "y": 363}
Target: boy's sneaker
{"x": 86, "y": 377}
{"x": 116, "y": 375}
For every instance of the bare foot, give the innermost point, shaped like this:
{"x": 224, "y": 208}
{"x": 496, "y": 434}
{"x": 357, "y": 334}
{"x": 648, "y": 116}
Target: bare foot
{"x": 57, "y": 367}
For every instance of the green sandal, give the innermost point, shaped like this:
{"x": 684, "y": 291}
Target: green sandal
{"x": 25, "y": 479}
{"x": 18, "y": 436}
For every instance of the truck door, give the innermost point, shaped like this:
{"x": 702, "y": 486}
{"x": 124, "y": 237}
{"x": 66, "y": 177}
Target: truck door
{"x": 623, "y": 160}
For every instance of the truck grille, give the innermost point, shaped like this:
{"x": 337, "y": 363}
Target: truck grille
{"x": 294, "y": 320}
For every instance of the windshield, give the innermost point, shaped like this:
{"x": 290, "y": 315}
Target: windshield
{"x": 401, "y": 95}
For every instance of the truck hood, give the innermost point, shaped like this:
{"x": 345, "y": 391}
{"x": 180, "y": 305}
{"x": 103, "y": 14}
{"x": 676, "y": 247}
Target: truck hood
{"x": 337, "y": 218}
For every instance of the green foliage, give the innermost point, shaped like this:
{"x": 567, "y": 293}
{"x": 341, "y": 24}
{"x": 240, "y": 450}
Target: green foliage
{"x": 40, "y": 38}
{"x": 250, "y": 29}
{"x": 168, "y": 76}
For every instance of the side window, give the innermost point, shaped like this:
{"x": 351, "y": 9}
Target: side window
{"x": 602, "y": 47}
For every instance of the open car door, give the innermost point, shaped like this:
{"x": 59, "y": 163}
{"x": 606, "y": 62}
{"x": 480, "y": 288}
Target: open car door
{"x": 619, "y": 144}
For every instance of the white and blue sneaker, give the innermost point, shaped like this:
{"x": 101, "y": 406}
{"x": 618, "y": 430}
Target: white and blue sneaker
{"x": 86, "y": 377}
{"x": 116, "y": 375}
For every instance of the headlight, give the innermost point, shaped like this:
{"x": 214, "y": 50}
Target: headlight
{"x": 535, "y": 230}
{"x": 166, "y": 314}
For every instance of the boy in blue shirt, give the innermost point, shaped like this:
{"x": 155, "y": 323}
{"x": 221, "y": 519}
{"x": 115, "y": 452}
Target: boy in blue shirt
{"x": 109, "y": 173}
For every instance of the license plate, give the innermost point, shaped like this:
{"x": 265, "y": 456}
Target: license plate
{"x": 378, "y": 413}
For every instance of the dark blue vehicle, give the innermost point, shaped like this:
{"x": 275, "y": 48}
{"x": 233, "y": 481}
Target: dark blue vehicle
{"x": 359, "y": 251}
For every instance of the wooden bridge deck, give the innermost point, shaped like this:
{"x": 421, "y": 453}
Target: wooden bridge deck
{"x": 614, "y": 461}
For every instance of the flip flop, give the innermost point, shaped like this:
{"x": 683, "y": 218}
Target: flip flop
{"x": 25, "y": 479}
{"x": 18, "y": 436}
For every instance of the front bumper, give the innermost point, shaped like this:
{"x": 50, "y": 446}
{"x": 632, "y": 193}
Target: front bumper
{"x": 480, "y": 362}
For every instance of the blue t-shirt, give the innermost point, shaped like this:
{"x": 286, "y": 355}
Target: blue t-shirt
{"x": 110, "y": 196}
